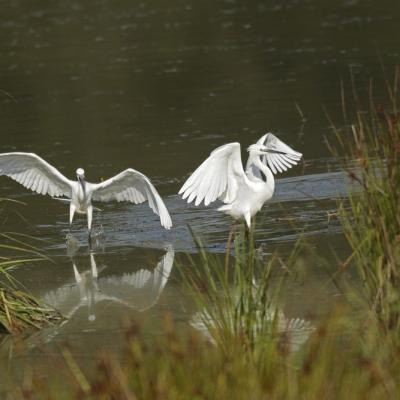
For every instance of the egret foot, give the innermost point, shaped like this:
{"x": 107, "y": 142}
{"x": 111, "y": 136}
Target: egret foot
{"x": 97, "y": 232}
{"x": 261, "y": 252}
{"x": 72, "y": 244}
{"x": 96, "y": 238}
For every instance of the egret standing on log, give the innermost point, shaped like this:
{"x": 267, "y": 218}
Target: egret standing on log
{"x": 221, "y": 176}
{"x": 36, "y": 174}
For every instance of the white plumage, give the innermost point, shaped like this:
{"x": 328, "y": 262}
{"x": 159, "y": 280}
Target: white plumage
{"x": 221, "y": 176}
{"x": 36, "y": 174}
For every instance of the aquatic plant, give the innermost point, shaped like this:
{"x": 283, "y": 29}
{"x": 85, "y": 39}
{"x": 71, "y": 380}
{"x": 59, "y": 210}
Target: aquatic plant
{"x": 240, "y": 301}
{"x": 18, "y": 309}
{"x": 371, "y": 222}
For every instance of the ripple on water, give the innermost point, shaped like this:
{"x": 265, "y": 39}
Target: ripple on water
{"x": 301, "y": 205}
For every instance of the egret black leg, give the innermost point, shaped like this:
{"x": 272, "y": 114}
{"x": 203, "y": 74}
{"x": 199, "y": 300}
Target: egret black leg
{"x": 246, "y": 232}
{"x": 89, "y": 221}
{"x": 228, "y": 245}
{"x": 231, "y": 233}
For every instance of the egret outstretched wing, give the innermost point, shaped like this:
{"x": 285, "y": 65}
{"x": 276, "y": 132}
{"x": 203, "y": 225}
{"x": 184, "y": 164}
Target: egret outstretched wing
{"x": 134, "y": 187}
{"x": 218, "y": 177}
{"x": 279, "y": 156}
{"x": 34, "y": 173}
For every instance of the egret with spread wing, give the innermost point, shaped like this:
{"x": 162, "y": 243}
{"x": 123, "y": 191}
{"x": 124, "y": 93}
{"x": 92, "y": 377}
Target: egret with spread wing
{"x": 36, "y": 174}
{"x": 221, "y": 176}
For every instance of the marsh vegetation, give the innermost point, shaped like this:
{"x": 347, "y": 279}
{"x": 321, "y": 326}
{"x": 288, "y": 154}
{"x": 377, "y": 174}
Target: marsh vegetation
{"x": 19, "y": 311}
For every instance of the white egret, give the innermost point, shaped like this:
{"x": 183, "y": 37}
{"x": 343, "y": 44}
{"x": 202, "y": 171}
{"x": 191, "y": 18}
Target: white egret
{"x": 221, "y": 176}
{"x": 36, "y": 174}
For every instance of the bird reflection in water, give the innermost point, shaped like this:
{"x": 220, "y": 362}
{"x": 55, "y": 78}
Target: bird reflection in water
{"x": 138, "y": 290}
{"x": 294, "y": 331}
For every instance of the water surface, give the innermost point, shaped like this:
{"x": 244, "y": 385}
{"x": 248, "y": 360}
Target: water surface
{"x": 107, "y": 85}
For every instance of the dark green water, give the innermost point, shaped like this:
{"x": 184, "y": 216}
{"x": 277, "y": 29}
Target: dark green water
{"x": 107, "y": 85}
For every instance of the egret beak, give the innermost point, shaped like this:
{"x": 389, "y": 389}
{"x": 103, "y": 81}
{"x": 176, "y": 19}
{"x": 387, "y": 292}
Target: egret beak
{"x": 81, "y": 180}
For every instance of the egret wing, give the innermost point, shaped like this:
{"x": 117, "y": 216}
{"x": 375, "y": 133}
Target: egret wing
{"x": 279, "y": 156}
{"x": 34, "y": 173}
{"x": 134, "y": 187}
{"x": 218, "y": 177}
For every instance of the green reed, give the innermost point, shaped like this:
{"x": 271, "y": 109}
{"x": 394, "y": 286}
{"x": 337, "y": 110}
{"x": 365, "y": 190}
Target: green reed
{"x": 19, "y": 310}
{"x": 238, "y": 301}
{"x": 371, "y": 223}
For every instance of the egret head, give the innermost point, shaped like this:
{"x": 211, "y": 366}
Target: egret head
{"x": 257, "y": 149}
{"x": 80, "y": 173}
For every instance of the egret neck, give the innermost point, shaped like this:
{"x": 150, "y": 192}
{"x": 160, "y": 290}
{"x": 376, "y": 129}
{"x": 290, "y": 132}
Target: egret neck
{"x": 269, "y": 176}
